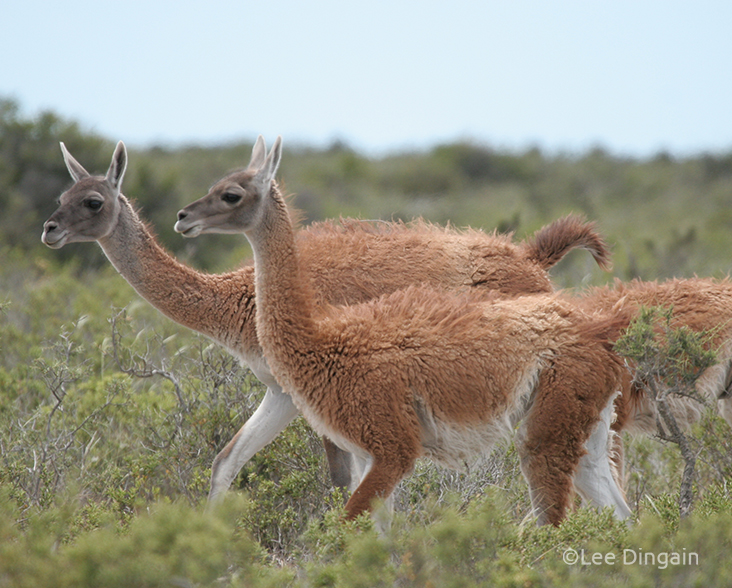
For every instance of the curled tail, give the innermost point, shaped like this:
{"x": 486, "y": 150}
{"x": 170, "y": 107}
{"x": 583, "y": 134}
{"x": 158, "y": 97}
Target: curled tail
{"x": 552, "y": 242}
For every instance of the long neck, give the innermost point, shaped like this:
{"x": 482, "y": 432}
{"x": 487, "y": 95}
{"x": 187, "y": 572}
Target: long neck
{"x": 205, "y": 303}
{"x": 285, "y": 315}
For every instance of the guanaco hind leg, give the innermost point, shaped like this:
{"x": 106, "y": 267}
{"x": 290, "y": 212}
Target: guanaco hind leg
{"x": 595, "y": 480}
{"x": 572, "y": 398}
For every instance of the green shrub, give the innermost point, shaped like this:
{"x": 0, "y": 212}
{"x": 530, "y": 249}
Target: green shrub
{"x": 105, "y": 465}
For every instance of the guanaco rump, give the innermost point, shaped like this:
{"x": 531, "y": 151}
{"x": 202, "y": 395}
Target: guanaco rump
{"x": 422, "y": 371}
{"x": 351, "y": 261}
{"x": 700, "y": 304}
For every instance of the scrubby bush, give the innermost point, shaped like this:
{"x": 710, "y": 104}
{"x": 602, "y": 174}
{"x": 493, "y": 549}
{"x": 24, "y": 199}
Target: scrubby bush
{"x": 110, "y": 414}
{"x": 666, "y": 362}
{"x": 108, "y": 429}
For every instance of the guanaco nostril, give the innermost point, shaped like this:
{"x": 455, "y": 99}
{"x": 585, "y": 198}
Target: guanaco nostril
{"x": 51, "y": 227}
{"x": 182, "y": 214}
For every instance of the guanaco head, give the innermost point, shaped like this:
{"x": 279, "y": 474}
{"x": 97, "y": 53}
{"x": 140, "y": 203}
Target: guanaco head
{"x": 87, "y": 211}
{"x": 235, "y": 203}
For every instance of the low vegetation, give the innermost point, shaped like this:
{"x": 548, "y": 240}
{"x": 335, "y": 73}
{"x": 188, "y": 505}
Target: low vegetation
{"x": 110, "y": 414}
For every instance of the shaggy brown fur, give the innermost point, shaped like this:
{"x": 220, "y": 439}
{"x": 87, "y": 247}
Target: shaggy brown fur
{"x": 701, "y": 304}
{"x": 547, "y": 248}
{"x": 350, "y": 261}
{"x": 421, "y": 372}
{"x": 390, "y": 255}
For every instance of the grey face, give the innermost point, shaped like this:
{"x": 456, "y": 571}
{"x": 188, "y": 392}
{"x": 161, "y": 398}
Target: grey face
{"x": 88, "y": 210}
{"x": 234, "y": 204}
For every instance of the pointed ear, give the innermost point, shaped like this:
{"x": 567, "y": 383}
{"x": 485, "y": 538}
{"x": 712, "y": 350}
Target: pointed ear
{"x": 259, "y": 151}
{"x": 117, "y": 168}
{"x": 272, "y": 163}
{"x": 76, "y": 170}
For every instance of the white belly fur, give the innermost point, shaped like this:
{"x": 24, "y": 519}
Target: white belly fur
{"x": 449, "y": 444}
{"x": 453, "y": 444}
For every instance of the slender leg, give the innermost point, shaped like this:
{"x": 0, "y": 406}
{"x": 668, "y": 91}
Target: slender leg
{"x": 570, "y": 398}
{"x": 595, "y": 478}
{"x": 271, "y": 417}
{"x": 339, "y": 464}
{"x": 379, "y": 482}
{"x": 359, "y": 468}
{"x": 549, "y": 479}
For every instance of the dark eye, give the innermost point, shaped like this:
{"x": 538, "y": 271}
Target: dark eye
{"x": 231, "y": 198}
{"x": 93, "y": 204}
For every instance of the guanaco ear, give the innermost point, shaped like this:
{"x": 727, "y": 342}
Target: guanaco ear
{"x": 267, "y": 172}
{"x": 272, "y": 163}
{"x": 76, "y": 170}
{"x": 259, "y": 151}
{"x": 117, "y": 168}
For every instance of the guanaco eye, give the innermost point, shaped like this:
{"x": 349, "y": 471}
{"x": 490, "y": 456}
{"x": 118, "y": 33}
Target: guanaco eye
{"x": 93, "y": 204}
{"x": 231, "y": 198}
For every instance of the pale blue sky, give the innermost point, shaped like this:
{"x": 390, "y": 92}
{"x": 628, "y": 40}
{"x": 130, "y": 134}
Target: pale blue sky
{"x": 635, "y": 77}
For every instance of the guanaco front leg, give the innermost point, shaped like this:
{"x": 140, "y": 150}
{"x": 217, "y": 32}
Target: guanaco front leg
{"x": 340, "y": 464}
{"x": 379, "y": 482}
{"x": 271, "y": 417}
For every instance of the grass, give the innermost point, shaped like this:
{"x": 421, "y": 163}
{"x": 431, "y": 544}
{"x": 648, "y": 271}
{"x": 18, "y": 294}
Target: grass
{"x": 105, "y": 473}
{"x": 104, "y": 469}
